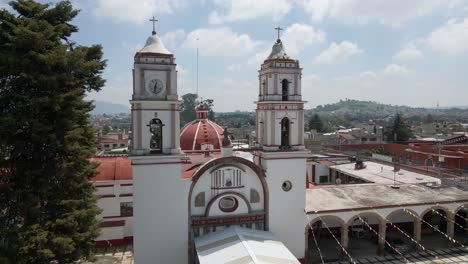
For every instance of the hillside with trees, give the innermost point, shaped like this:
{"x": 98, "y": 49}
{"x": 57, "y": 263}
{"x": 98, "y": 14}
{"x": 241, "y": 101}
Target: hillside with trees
{"x": 363, "y": 111}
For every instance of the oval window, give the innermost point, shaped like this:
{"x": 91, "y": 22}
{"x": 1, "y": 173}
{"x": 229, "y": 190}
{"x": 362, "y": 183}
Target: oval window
{"x": 228, "y": 204}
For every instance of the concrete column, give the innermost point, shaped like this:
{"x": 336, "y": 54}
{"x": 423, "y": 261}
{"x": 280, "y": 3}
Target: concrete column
{"x": 450, "y": 225}
{"x": 417, "y": 230}
{"x": 382, "y": 236}
{"x": 344, "y": 238}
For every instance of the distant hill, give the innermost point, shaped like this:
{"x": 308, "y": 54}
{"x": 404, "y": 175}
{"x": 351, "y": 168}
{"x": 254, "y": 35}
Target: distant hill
{"x": 365, "y": 110}
{"x": 102, "y": 107}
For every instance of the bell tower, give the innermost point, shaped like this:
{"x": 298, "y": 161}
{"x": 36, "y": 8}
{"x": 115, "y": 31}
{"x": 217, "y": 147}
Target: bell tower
{"x": 156, "y": 158}
{"x": 155, "y": 104}
{"x": 280, "y": 109}
{"x": 280, "y": 137}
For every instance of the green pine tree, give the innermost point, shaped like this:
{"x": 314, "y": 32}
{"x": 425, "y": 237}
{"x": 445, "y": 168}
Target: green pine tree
{"x": 47, "y": 205}
{"x": 315, "y": 122}
{"x": 398, "y": 131}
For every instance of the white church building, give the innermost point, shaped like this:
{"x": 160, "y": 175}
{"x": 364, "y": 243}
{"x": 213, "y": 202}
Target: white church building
{"x": 182, "y": 199}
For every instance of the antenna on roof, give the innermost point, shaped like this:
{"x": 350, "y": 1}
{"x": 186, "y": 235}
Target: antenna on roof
{"x": 197, "y": 67}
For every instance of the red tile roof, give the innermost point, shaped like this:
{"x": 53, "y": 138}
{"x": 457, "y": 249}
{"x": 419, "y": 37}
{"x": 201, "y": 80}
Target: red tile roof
{"x": 199, "y": 132}
{"x": 113, "y": 169}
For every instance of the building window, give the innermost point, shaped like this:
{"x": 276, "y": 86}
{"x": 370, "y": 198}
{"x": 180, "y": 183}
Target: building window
{"x": 126, "y": 209}
{"x": 200, "y": 199}
{"x": 254, "y": 196}
{"x": 228, "y": 204}
{"x": 156, "y": 126}
{"x": 122, "y": 145}
{"x": 286, "y": 186}
{"x": 285, "y": 124}
{"x": 285, "y": 89}
{"x": 323, "y": 179}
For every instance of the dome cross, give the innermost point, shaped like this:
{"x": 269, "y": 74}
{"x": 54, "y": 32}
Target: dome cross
{"x": 154, "y": 20}
{"x": 278, "y": 29}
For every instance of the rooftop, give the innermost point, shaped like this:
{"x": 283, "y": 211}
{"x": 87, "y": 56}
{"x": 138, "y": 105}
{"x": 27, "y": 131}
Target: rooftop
{"x": 383, "y": 174}
{"x": 366, "y": 196}
{"x": 242, "y": 245}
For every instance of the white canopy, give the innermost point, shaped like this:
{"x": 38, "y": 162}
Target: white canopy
{"x": 242, "y": 245}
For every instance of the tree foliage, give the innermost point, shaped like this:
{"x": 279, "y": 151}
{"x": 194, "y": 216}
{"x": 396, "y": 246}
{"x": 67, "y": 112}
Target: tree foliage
{"x": 47, "y": 206}
{"x": 189, "y": 105}
{"x": 398, "y": 130}
{"x": 315, "y": 122}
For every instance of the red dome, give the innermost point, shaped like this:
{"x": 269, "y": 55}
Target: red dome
{"x": 199, "y": 132}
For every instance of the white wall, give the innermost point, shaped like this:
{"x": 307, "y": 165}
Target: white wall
{"x": 287, "y": 219}
{"x": 249, "y": 180}
{"x": 160, "y": 212}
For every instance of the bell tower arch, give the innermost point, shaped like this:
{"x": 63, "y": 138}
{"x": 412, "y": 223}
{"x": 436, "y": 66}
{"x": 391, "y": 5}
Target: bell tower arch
{"x": 280, "y": 138}
{"x": 156, "y": 157}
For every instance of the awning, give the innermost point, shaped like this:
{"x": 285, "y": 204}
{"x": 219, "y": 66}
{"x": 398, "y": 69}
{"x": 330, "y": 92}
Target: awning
{"x": 236, "y": 245}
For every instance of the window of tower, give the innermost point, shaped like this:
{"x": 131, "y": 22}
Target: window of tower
{"x": 156, "y": 126}
{"x": 285, "y": 89}
{"x": 285, "y": 132}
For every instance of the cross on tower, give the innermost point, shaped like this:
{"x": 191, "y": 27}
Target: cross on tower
{"x": 154, "y": 24}
{"x": 279, "y": 29}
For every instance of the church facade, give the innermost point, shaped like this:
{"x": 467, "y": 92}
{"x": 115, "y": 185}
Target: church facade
{"x": 179, "y": 196}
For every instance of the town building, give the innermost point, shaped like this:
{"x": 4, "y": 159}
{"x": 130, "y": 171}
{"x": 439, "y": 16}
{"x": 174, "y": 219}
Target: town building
{"x": 197, "y": 204}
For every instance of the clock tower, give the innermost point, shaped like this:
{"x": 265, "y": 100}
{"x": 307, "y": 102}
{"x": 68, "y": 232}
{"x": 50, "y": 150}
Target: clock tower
{"x": 155, "y": 105}
{"x": 156, "y": 158}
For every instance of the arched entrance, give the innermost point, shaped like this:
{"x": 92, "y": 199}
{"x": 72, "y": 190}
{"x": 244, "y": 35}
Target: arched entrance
{"x": 285, "y": 132}
{"x": 363, "y": 238}
{"x": 284, "y": 89}
{"x": 401, "y": 231}
{"x": 329, "y": 248}
{"x": 156, "y": 140}
{"x": 434, "y": 224}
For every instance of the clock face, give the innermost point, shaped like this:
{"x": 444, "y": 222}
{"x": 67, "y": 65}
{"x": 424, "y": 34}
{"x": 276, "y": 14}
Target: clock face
{"x": 155, "y": 86}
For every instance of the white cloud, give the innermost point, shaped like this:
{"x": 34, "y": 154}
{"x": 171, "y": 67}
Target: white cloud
{"x": 393, "y": 12}
{"x": 173, "y": 39}
{"x": 338, "y": 53}
{"x": 395, "y": 70}
{"x": 220, "y": 42}
{"x": 409, "y": 52}
{"x": 451, "y": 38}
{"x": 242, "y": 10}
{"x": 370, "y": 77}
{"x": 135, "y": 11}
{"x": 246, "y": 91}
{"x": 298, "y": 36}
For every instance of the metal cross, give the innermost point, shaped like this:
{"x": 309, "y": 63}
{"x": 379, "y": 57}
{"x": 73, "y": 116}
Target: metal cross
{"x": 279, "y": 29}
{"x": 154, "y": 24}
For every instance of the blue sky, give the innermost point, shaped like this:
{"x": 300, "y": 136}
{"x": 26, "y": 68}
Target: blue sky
{"x": 391, "y": 51}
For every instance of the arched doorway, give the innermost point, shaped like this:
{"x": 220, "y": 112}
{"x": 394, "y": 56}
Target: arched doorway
{"x": 401, "y": 232}
{"x": 285, "y": 132}
{"x": 285, "y": 89}
{"x": 156, "y": 141}
{"x": 363, "y": 238}
{"x": 434, "y": 224}
{"x": 329, "y": 248}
